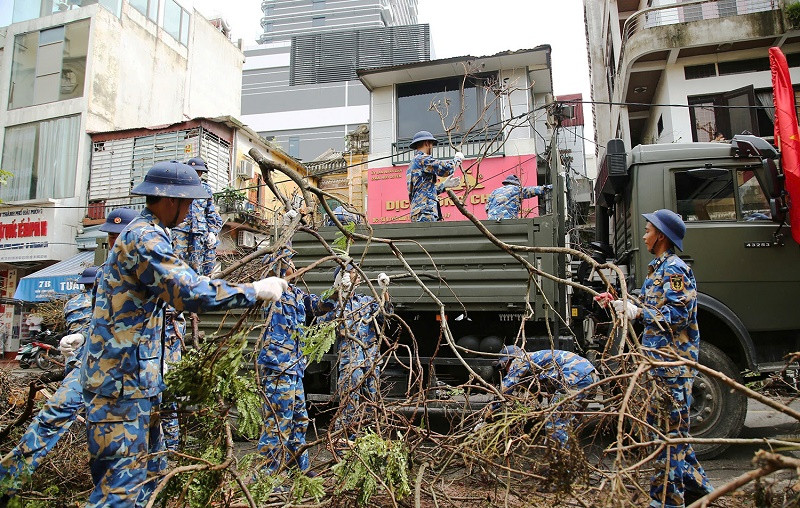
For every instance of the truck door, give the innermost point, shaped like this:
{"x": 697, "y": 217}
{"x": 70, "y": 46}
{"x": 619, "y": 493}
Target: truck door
{"x": 729, "y": 244}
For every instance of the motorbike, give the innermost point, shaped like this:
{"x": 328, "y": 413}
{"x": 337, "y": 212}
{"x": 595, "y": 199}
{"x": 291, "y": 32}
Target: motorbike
{"x": 42, "y": 349}
{"x": 27, "y": 355}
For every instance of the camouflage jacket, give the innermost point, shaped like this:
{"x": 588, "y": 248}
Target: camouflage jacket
{"x": 124, "y": 354}
{"x": 560, "y": 369}
{"x": 669, "y": 296}
{"x": 78, "y": 313}
{"x": 421, "y": 184}
{"x": 202, "y": 216}
{"x": 504, "y": 202}
{"x": 281, "y": 348}
{"x": 358, "y": 318}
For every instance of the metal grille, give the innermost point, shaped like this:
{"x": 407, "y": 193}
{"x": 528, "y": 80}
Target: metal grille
{"x": 486, "y": 144}
{"x": 335, "y": 56}
{"x": 110, "y": 169}
{"x": 217, "y": 154}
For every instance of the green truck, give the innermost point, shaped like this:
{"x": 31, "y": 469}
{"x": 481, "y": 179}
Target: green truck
{"x": 746, "y": 267}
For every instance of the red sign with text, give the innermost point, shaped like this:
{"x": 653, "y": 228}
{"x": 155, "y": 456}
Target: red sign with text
{"x": 388, "y": 196}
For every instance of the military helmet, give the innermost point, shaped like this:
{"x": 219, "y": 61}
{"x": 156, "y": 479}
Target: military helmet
{"x": 88, "y": 275}
{"x": 172, "y": 179}
{"x": 197, "y": 164}
{"x": 422, "y": 136}
{"x": 669, "y": 223}
{"x": 118, "y": 219}
{"x": 511, "y": 180}
{"x": 507, "y": 354}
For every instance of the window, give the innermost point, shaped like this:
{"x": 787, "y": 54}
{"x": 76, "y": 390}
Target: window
{"x": 269, "y": 26}
{"x": 724, "y": 115}
{"x": 42, "y": 158}
{"x": 753, "y": 204}
{"x": 705, "y": 197}
{"x": 700, "y": 71}
{"x": 318, "y": 5}
{"x": 148, "y": 8}
{"x": 49, "y": 66}
{"x": 414, "y": 111}
{"x": 294, "y": 146}
{"x": 318, "y": 21}
{"x": 176, "y": 22}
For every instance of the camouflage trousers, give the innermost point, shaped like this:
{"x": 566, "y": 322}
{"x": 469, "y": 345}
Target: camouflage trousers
{"x": 125, "y": 449}
{"x": 45, "y": 430}
{"x": 191, "y": 247}
{"x": 424, "y": 217}
{"x": 676, "y": 467}
{"x": 285, "y": 422}
{"x": 559, "y": 422}
{"x": 358, "y": 377}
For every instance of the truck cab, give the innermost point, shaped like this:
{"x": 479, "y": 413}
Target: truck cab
{"x": 740, "y": 250}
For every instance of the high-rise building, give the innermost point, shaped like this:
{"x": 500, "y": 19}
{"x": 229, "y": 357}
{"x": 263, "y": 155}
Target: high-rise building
{"x": 299, "y": 85}
{"x": 283, "y": 19}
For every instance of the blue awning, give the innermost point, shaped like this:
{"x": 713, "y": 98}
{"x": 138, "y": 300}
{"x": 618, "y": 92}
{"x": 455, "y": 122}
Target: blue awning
{"x": 55, "y": 281}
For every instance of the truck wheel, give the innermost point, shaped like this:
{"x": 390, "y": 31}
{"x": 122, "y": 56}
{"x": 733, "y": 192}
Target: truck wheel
{"x": 717, "y": 411}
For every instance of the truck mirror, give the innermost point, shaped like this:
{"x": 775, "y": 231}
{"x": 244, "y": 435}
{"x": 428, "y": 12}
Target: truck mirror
{"x": 767, "y": 175}
{"x": 777, "y": 208}
{"x": 708, "y": 173}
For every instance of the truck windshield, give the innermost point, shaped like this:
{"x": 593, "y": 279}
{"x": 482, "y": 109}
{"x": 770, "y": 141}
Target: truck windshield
{"x": 719, "y": 197}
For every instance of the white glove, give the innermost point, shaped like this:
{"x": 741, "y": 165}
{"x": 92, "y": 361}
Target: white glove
{"x": 270, "y": 289}
{"x": 211, "y": 239}
{"x": 344, "y": 283}
{"x": 458, "y": 157}
{"x": 70, "y": 343}
{"x": 289, "y": 217}
{"x": 631, "y": 310}
{"x": 451, "y": 181}
{"x": 478, "y": 426}
{"x": 383, "y": 280}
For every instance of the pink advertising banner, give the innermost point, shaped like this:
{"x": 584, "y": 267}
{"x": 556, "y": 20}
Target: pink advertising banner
{"x": 388, "y": 197}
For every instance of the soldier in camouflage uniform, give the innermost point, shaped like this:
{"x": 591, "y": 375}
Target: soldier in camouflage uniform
{"x": 669, "y": 315}
{"x": 60, "y": 411}
{"x": 174, "y": 329}
{"x": 281, "y": 366}
{"x": 195, "y": 239}
{"x": 122, "y": 372}
{"x": 558, "y": 373}
{"x": 505, "y": 202}
{"x": 421, "y": 178}
{"x": 358, "y": 345}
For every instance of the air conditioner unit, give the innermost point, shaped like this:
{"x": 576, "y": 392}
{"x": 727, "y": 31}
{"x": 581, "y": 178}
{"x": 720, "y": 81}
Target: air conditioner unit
{"x": 245, "y": 170}
{"x": 246, "y": 239}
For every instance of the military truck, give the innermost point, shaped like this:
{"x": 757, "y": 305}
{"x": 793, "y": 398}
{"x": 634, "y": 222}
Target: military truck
{"x": 745, "y": 263}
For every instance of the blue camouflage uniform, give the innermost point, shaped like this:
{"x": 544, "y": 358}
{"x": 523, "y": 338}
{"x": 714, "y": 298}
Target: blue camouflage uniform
{"x": 122, "y": 372}
{"x": 505, "y": 202}
{"x": 359, "y": 352}
{"x": 281, "y": 366}
{"x": 174, "y": 330}
{"x": 669, "y": 296}
{"x": 190, "y": 237}
{"x": 421, "y": 183}
{"x": 562, "y": 371}
{"x": 59, "y": 411}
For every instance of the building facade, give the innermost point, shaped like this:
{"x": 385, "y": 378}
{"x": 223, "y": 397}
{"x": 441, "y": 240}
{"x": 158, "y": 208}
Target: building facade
{"x": 71, "y": 68}
{"x": 489, "y": 105}
{"x": 676, "y": 73}
{"x": 284, "y": 19}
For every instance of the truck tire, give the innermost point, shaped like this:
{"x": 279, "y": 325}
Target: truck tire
{"x": 717, "y": 411}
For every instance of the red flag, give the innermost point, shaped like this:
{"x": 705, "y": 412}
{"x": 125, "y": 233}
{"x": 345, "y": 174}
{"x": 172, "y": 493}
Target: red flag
{"x": 787, "y": 136}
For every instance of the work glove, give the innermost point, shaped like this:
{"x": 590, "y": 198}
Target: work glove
{"x": 451, "y": 182}
{"x": 547, "y": 188}
{"x": 383, "y": 280}
{"x": 458, "y": 157}
{"x": 211, "y": 239}
{"x": 289, "y": 216}
{"x": 343, "y": 282}
{"x": 603, "y": 299}
{"x": 630, "y": 310}
{"x": 70, "y": 343}
{"x": 270, "y": 289}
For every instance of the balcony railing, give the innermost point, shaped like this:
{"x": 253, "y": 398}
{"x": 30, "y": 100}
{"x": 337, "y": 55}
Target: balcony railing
{"x": 474, "y": 145}
{"x": 676, "y": 12}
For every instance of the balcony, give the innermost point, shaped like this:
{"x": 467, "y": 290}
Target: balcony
{"x": 474, "y": 145}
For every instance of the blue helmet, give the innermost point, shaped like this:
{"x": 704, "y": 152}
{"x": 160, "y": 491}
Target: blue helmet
{"x": 118, "y": 219}
{"x": 88, "y": 275}
{"x": 508, "y": 353}
{"x": 511, "y": 180}
{"x": 197, "y": 164}
{"x": 669, "y": 223}
{"x": 172, "y": 179}
{"x": 422, "y": 136}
